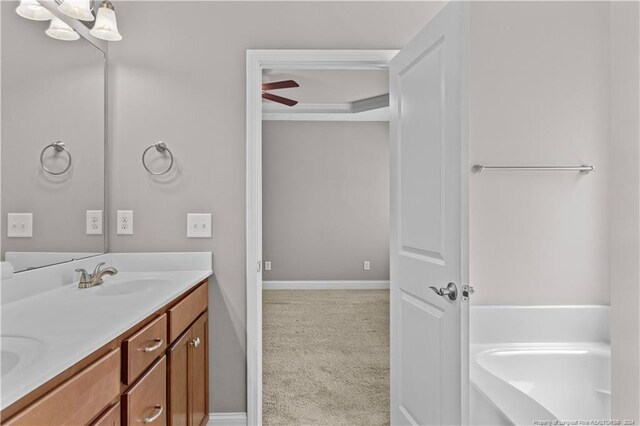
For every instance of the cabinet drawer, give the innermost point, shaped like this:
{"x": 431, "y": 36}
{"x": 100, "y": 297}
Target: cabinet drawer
{"x": 79, "y": 399}
{"x": 146, "y": 401}
{"x": 110, "y": 418}
{"x": 143, "y": 348}
{"x": 187, "y": 310}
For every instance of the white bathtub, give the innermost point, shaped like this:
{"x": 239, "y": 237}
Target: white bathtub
{"x": 539, "y": 363}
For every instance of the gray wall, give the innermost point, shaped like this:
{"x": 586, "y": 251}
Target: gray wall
{"x": 51, "y": 90}
{"x": 539, "y": 95}
{"x": 624, "y": 199}
{"x": 179, "y": 76}
{"x": 325, "y": 200}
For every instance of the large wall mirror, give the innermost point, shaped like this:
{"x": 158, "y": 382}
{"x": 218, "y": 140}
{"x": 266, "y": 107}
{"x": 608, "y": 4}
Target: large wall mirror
{"x": 53, "y": 92}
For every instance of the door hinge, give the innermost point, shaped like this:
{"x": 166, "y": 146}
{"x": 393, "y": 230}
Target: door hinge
{"x": 467, "y": 291}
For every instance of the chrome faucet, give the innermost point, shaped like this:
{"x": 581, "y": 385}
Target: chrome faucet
{"x": 88, "y": 280}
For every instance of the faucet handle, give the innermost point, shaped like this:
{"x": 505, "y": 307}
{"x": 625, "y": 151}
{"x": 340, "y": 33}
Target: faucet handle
{"x": 97, "y": 270}
{"x": 84, "y": 275}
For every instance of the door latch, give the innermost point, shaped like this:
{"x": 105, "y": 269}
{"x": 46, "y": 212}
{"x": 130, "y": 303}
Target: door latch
{"x": 467, "y": 291}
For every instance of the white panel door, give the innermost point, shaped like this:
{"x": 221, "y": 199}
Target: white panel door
{"x": 428, "y": 87}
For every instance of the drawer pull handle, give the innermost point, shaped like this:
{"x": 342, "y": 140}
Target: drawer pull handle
{"x": 195, "y": 342}
{"x": 152, "y": 348}
{"x": 151, "y": 419}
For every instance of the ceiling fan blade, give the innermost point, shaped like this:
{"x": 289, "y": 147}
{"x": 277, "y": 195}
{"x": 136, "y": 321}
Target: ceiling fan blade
{"x": 279, "y": 99}
{"x": 279, "y": 85}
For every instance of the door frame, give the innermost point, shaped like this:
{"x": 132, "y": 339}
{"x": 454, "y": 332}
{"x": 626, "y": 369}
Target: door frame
{"x": 257, "y": 61}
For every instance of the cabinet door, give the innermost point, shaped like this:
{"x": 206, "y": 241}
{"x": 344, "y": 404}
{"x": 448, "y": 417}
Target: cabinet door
{"x": 178, "y": 381}
{"x": 198, "y": 374}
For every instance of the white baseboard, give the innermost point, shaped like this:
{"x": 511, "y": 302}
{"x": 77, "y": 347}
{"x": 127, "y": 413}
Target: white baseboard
{"x": 227, "y": 419}
{"x": 325, "y": 285}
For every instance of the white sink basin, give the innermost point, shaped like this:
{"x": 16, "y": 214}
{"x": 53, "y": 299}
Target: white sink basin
{"x": 19, "y": 352}
{"x": 8, "y": 360}
{"x": 123, "y": 288}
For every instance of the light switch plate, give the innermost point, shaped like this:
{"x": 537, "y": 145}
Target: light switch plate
{"x": 125, "y": 222}
{"x": 20, "y": 225}
{"x": 367, "y": 265}
{"x": 267, "y": 265}
{"x": 199, "y": 225}
{"x": 94, "y": 222}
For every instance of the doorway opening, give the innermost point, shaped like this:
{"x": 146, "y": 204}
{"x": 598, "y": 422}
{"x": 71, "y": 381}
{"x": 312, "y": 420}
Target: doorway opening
{"x": 325, "y": 185}
{"x": 341, "y": 113}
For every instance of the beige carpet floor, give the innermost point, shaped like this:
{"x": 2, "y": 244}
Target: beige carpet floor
{"x": 326, "y": 357}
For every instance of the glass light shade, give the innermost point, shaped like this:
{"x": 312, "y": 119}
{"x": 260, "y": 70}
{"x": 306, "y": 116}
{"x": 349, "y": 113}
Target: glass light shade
{"x": 106, "y": 26}
{"x": 77, "y": 9}
{"x": 61, "y": 31}
{"x": 33, "y": 10}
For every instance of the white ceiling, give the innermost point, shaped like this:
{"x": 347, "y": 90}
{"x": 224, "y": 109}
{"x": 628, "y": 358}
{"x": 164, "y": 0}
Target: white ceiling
{"x": 330, "y": 86}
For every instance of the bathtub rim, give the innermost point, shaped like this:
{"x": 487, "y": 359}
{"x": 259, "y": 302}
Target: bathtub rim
{"x": 539, "y": 323}
{"x": 508, "y": 399}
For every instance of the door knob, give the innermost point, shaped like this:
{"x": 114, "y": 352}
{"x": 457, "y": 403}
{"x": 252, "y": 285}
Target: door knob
{"x": 451, "y": 291}
{"x": 195, "y": 342}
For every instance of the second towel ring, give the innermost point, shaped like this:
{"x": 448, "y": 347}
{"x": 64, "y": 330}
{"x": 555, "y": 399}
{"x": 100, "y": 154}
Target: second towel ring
{"x": 160, "y": 147}
{"x": 59, "y": 147}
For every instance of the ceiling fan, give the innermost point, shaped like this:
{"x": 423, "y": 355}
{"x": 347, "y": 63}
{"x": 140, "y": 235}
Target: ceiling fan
{"x": 286, "y": 84}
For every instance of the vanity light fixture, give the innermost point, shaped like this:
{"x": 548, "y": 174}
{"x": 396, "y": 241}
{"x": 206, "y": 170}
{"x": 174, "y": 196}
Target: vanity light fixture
{"x": 106, "y": 27}
{"x": 77, "y": 9}
{"x": 31, "y": 9}
{"x": 59, "y": 30}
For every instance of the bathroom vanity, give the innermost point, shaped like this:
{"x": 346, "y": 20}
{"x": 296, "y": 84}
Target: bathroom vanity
{"x": 131, "y": 350}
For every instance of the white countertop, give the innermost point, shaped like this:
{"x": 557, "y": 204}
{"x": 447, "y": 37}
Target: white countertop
{"x": 62, "y": 326}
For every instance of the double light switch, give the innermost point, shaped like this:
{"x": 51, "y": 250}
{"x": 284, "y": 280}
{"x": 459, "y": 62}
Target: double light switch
{"x": 20, "y": 225}
{"x": 199, "y": 225}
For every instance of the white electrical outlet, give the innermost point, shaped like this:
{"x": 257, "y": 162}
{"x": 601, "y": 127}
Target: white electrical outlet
{"x": 20, "y": 225}
{"x": 199, "y": 225}
{"x": 94, "y": 222}
{"x": 367, "y": 265}
{"x": 125, "y": 222}
{"x": 267, "y": 266}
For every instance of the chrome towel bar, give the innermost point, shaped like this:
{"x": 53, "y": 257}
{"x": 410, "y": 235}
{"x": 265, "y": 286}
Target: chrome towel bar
{"x": 582, "y": 169}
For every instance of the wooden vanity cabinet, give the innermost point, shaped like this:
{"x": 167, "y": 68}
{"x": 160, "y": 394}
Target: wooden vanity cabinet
{"x": 155, "y": 373}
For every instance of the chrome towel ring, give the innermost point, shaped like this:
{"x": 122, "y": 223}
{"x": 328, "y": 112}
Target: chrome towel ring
{"x": 59, "y": 147}
{"x": 162, "y": 148}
